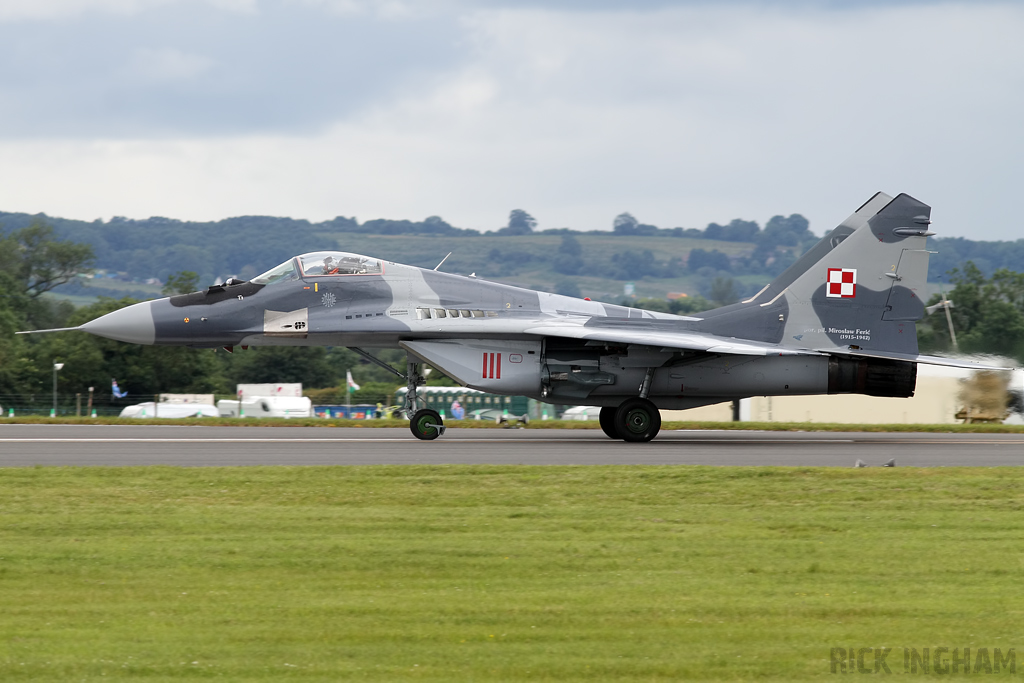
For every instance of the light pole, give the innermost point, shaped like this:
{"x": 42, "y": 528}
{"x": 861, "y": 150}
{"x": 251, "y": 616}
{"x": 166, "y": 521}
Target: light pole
{"x": 945, "y": 305}
{"x": 56, "y": 367}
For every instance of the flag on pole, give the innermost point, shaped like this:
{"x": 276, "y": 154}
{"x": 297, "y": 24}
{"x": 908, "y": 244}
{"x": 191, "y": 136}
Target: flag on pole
{"x": 115, "y": 391}
{"x": 352, "y": 386}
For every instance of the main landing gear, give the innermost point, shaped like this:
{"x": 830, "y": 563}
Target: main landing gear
{"x": 636, "y": 419}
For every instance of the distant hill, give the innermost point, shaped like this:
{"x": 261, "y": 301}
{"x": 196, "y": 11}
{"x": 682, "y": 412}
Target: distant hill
{"x": 595, "y": 263}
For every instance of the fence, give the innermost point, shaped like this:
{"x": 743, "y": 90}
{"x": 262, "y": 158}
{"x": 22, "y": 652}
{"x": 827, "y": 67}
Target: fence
{"x": 67, "y": 404}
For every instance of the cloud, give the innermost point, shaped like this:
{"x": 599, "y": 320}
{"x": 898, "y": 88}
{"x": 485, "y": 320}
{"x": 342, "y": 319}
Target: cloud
{"x": 681, "y": 114}
{"x": 186, "y": 70}
{"x": 382, "y": 9}
{"x": 48, "y": 10}
{"x": 167, "y": 64}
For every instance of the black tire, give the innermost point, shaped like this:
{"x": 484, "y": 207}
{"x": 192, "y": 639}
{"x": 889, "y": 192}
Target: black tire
{"x": 420, "y": 424}
{"x": 607, "y": 420}
{"x": 637, "y": 419}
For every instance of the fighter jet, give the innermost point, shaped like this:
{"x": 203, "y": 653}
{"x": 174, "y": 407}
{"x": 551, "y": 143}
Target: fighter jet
{"x": 840, "y": 320}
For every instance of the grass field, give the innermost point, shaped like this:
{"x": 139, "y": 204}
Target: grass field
{"x": 489, "y": 573}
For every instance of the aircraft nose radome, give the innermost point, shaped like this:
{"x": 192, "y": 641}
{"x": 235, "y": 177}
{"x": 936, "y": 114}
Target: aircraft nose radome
{"x": 130, "y": 324}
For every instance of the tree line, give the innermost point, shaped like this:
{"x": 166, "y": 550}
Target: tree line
{"x": 154, "y": 248}
{"x": 987, "y": 314}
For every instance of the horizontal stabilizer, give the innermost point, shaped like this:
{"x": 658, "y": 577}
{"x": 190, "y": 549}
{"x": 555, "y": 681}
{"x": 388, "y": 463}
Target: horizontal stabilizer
{"x": 916, "y": 358}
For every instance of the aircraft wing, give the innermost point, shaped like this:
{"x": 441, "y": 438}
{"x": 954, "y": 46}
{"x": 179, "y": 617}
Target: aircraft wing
{"x": 695, "y": 341}
{"x": 691, "y": 341}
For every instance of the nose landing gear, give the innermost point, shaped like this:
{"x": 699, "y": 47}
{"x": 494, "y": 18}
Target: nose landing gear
{"x": 426, "y": 424}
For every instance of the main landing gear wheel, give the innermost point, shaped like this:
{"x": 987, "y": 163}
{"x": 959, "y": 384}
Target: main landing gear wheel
{"x": 637, "y": 420}
{"x": 426, "y": 424}
{"x": 607, "y": 420}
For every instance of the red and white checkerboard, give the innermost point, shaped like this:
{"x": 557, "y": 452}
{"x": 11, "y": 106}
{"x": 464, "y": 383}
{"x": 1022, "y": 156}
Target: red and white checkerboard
{"x": 842, "y": 283}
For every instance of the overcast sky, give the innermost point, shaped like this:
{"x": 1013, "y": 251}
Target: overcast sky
{"x": 681, "y": 113}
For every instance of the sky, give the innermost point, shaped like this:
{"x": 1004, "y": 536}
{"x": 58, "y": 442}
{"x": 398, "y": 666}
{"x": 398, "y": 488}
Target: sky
{"x": 681, "y": 113}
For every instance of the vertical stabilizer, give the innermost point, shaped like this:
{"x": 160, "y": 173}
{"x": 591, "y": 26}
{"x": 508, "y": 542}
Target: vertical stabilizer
{"x": 866, "y": 292}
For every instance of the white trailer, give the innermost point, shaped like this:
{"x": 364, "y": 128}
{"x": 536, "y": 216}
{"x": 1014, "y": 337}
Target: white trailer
{"x": 170, "y": 410}
{"x": 267, "y": 406}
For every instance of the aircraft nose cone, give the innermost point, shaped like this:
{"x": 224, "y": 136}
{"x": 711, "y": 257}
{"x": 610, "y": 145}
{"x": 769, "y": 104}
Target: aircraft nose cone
{"x": 130, "y": 324}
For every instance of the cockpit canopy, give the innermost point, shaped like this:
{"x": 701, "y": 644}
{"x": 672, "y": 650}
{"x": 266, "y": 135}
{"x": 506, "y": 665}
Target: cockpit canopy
{"x": 339, "y": 263}
{"x": 321, "y": 264}
{"x": 282, "y": 273}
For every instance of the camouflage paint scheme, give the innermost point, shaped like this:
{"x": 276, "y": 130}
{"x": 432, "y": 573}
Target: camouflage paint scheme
{"x": 790, "y": 338}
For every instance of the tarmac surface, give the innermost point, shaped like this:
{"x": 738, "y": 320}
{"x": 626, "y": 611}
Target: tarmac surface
{"x": 190, "y": 446}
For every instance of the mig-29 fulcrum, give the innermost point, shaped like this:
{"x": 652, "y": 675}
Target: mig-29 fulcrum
{"x": 840, "y": 320}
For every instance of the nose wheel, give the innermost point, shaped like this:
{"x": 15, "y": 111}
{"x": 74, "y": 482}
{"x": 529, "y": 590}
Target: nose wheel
{"x": 426, "y": 424}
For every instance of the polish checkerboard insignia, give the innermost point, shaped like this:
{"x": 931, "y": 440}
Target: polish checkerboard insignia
{"x": 842, "y": 283}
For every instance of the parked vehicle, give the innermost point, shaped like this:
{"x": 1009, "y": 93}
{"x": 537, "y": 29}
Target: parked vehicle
{"x": 582, "y": 413}
{"x": 267, "y": 406}
{"x": 170, "y": 410}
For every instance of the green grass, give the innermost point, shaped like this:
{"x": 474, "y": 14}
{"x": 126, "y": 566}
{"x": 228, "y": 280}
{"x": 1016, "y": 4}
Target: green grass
{"x": 535, "y": 424}
{"x": 489, "y": 573}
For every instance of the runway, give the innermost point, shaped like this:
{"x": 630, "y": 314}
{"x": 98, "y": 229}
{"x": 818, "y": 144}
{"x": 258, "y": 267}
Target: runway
{"x": 189, "y": 446}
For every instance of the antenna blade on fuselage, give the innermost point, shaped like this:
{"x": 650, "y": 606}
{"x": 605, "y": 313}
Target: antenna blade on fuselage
{"x": 443, "y": 260}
